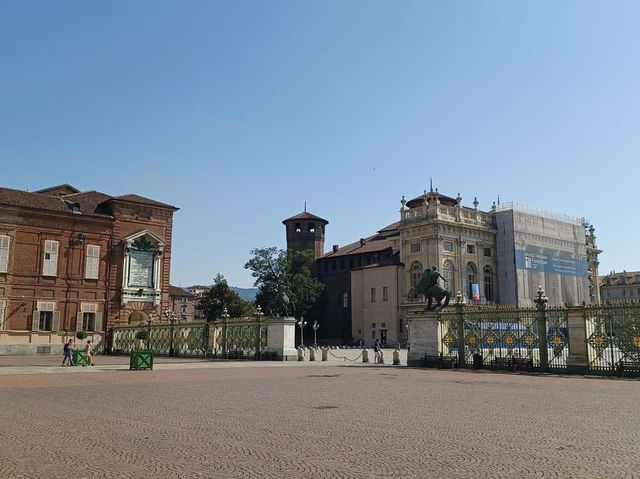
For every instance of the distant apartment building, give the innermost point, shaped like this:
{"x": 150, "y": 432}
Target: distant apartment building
{"x": 620, "y": 287}
{"x": 197, "y": 291}
{"x": 182, "y": 303}
{"x": 73, "y": 260}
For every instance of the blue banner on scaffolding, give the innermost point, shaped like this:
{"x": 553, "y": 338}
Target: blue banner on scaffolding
{"x": 555, "y": 262}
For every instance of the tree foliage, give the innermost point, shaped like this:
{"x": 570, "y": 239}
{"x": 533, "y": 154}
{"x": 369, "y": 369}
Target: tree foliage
{"x": 284, "y": 281}
{"x": 221, "y": 296}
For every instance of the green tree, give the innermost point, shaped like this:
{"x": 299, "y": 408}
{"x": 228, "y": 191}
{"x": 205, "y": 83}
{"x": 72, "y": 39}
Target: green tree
{"x": 220, "y": 296}
{"x": 284, "y": 281}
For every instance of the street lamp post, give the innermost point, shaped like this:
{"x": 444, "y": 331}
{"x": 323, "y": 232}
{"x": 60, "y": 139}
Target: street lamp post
{"x": 302, "y": 323}
{"x": 172, "y": 319}
{"x": 315, "y": 328}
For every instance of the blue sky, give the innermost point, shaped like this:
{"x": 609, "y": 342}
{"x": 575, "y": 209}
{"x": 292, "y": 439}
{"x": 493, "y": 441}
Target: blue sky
{"x": 240, "y": 111}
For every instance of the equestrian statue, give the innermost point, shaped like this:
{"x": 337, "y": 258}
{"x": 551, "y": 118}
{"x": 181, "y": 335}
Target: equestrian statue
{"x": 429, "y": 287}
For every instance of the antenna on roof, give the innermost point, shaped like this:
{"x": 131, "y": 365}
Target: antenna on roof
{"x": 498, "y": 198}
{"x": 305, "y": 206}
{"x": 430, "y": 184}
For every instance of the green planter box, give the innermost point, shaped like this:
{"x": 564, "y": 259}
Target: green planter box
{"x": 142, "y": 359}
{"x": 80, "y": 358}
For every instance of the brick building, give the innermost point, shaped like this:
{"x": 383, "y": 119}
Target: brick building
{"x": 182, "y": 303}
{"x": 72, "y": 260}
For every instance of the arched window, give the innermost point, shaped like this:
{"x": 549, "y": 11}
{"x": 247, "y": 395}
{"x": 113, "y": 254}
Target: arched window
{"x": 447, "y": 272}
{"x": 416, "y": 273}
{"x": 488, "y": 283}
{"x": 471, "y": 278}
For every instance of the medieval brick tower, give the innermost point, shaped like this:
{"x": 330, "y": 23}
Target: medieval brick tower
{"x": 306, "y": 232}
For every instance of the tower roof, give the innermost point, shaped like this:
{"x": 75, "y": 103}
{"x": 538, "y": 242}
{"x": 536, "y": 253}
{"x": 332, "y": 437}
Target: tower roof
{"x": 305, "y": 216}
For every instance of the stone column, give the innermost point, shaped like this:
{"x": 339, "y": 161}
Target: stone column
{"x": 281, "y": 338}
{"x": 423, "y": 336}
{"x": 577, "y": 360}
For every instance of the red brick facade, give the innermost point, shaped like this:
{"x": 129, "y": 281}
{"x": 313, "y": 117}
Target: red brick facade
{"x": 66, "y": 255}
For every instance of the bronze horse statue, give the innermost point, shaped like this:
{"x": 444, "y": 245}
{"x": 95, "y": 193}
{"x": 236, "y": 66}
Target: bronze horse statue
{"x": 429, "y": 287}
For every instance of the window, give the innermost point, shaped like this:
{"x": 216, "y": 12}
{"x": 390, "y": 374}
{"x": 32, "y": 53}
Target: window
{"x": 88, "y": 317}
{"x": 373, "y": 325}
{"x": 487, "y": 252}
{"x": 184, "y": 309}
{"x": 359, "y": 260}
{"x": 184, "y": 300}
{"x": 298, "y": 228}
{"x": 50, "y": 263}
{"x": 2, "y": 308}
{"x": 448, "y": 246}
{"x": 312, "y": 228}
{"x": 93, "y": 262}
{"x": 4, "y": 255}
{"x": 333, "y": 265}
{"x": 45, "y": 318}
{"x": 448, "y": 275}
{"x": 144, "y": 216}
{"x": 88, "y": 321}
{"x": 416, "y": 274}
{"x": 350, "y": 262}
{"x": 488, "y": 283}
{"x": 383, "y": 325}
{"x": 415, "y": 247}
{"x": 385, "y": 294}
{"x": 341, "y": 263}
{"x": 345, "y": 299}
{"x": 471, "y": 249}
{"x": 471, "y": 278}
{"x": 373, "y": 335}
{"x": 373, "y": 295}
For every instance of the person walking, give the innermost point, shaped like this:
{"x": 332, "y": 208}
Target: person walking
{"x": 68, "y": 353}
{"x": 376, "y": 352}
{"x": 88, "y": 353}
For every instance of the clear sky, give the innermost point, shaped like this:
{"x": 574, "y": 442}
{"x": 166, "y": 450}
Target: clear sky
{"x": 240, "y": 111}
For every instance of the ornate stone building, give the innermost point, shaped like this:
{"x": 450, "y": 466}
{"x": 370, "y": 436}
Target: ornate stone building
{"x": 498, "y": 256}
{"x": 72, "y": 260}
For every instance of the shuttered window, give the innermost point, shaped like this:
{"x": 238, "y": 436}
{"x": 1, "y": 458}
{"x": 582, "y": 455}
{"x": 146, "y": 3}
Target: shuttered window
{"x": 46, "y": 318}
{"x": 50, "y": 264}
{"x": 4, "y": 253}
{"x": 93, "y": 262}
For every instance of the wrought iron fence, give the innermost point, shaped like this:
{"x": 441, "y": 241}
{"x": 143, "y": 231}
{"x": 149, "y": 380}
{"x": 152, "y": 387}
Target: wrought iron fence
{"x": 181, "y": 339}
{"x": 504, "y": 332}
{"x": 240, "y": 338}
{"x": 613, "y": 335}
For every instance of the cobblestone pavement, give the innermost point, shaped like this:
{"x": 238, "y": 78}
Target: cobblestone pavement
{"x": 316, "y": 421}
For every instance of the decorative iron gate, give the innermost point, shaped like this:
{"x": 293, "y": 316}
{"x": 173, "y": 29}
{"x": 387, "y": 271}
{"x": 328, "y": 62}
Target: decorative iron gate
{"x": 540, "y": 335}
{"x": 182, "y": 339}
{"x": 239, "y": 338}
{"x": 613, "y": 335}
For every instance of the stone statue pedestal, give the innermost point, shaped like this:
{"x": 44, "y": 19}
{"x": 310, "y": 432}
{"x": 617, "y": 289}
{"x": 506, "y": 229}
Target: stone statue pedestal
{"x": 424, "y": 336}
{"x": 281, "y": 336}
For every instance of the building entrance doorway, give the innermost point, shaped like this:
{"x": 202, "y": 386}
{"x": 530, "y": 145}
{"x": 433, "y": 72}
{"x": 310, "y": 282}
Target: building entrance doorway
{"x": 383, "y": 336}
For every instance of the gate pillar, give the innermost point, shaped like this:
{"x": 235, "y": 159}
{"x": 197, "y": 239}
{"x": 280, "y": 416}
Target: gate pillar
{"x": 423, "y": 336}
{"x": 281, "y": 336}
{"x": 577, "y": 360}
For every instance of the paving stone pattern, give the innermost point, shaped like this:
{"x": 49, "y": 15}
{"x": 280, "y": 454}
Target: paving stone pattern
{"x": 317, "y": 421}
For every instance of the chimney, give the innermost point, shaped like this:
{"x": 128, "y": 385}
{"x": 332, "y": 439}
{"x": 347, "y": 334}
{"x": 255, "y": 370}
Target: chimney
{"x": 361, "y": 241}
{"x": 335, "y": 248}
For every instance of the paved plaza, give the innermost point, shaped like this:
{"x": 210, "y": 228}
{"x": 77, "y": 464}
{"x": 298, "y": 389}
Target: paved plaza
{"x": 210, "y": 419}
